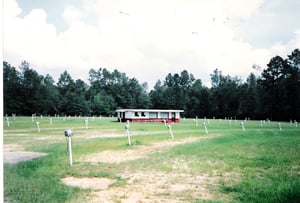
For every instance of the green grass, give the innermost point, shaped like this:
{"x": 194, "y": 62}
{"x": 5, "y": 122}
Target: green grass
{"x": 261, "y": 164}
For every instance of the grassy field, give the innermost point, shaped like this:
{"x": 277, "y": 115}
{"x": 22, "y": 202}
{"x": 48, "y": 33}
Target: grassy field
{"x": 260, "y": 164}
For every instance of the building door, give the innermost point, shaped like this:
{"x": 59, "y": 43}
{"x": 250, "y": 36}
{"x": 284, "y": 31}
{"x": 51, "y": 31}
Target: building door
{"x": 173, "y": 116}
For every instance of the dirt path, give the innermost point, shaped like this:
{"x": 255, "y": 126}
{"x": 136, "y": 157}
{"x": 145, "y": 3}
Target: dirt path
{"x": 146, "y": 186}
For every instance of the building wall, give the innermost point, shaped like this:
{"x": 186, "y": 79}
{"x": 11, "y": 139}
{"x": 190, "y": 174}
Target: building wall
{"x": 149, "y": 116}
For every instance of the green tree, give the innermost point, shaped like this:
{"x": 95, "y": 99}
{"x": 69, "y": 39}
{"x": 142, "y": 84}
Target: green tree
{"x": 199, "y": 100}
{"x": 292, "y": 86}
{"x": 67, "y": 100}
{"x": 50, "y": 96}
{"x": 156, "y": 96}
{"x": 224, "y": 92}
{"x": 32, "y": 90}
{"x": 249, "y": 102}
{"x": 272, "y": 89}
{"x": 12, "y": 90}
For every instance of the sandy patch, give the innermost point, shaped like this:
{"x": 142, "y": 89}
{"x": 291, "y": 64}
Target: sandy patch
{"x": 13, "y": 153}
{"x": 85, "y": 183}
{"x": 12, "y": 147}
{"x": 156, "y": 187}
{"x": 18, "y": 156}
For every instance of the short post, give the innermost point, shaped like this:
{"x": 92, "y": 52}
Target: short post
{"x": 196, "y": 121}
{"x": 68, "y": 135}
{"x": 7, "y": 120}
{"x": 86, "y": 122}
{"x": 127, "y": 127}
{"x": 296, "y": 124}
{"x": 279, "y": 126}
{"x": 171, "y": 132}
{"x": 50, "y": 119}
{"x": 38, "y": 126}
{"x": 205, "y": 128}
{"x": 242, "y": 126}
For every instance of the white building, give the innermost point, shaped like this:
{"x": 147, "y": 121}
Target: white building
{"x": 148, "y": 115}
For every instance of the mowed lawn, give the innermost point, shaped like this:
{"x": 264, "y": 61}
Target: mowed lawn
{"x": 260, "y": 164}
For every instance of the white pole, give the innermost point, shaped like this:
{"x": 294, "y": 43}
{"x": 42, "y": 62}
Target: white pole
{"x": 70, "y": 151}
{"x": 171, "y": 132}
{"x": 7, "y": 121}
{"x": 129, "y": 139}
{"x": 279, "y": 125}
{"x": 86, "y": 123}
{"x": 242, "y": 125}
{"x": 205, "y": 128}
{"x": 38, "y": 126}
{"x": 128, "y": 133}
{"x": 50, "y": 121}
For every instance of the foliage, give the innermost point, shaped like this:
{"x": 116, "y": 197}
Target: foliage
{"x": 275, "y": 94}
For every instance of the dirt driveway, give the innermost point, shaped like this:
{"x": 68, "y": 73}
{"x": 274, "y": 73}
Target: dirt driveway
{"x": 13, "y": 154}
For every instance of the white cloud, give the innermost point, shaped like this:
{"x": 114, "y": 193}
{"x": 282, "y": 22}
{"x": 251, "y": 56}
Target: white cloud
{"x": 72, "y": 14}
{"x": 146, "y": 40}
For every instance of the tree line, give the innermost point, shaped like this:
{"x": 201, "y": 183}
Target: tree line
{"x": 275, "y": 94}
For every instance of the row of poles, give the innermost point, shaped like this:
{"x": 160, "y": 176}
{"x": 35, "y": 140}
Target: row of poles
{"x": 69, "y": 133}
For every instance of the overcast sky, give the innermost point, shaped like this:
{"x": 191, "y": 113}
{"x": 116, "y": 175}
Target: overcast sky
{"x": 147, "y": 39}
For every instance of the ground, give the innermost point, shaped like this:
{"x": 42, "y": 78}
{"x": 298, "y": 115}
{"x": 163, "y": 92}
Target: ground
{"x": 145, "y": 186}
{"x": 141, "y": 186}
{"x": 13, "y": 155}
